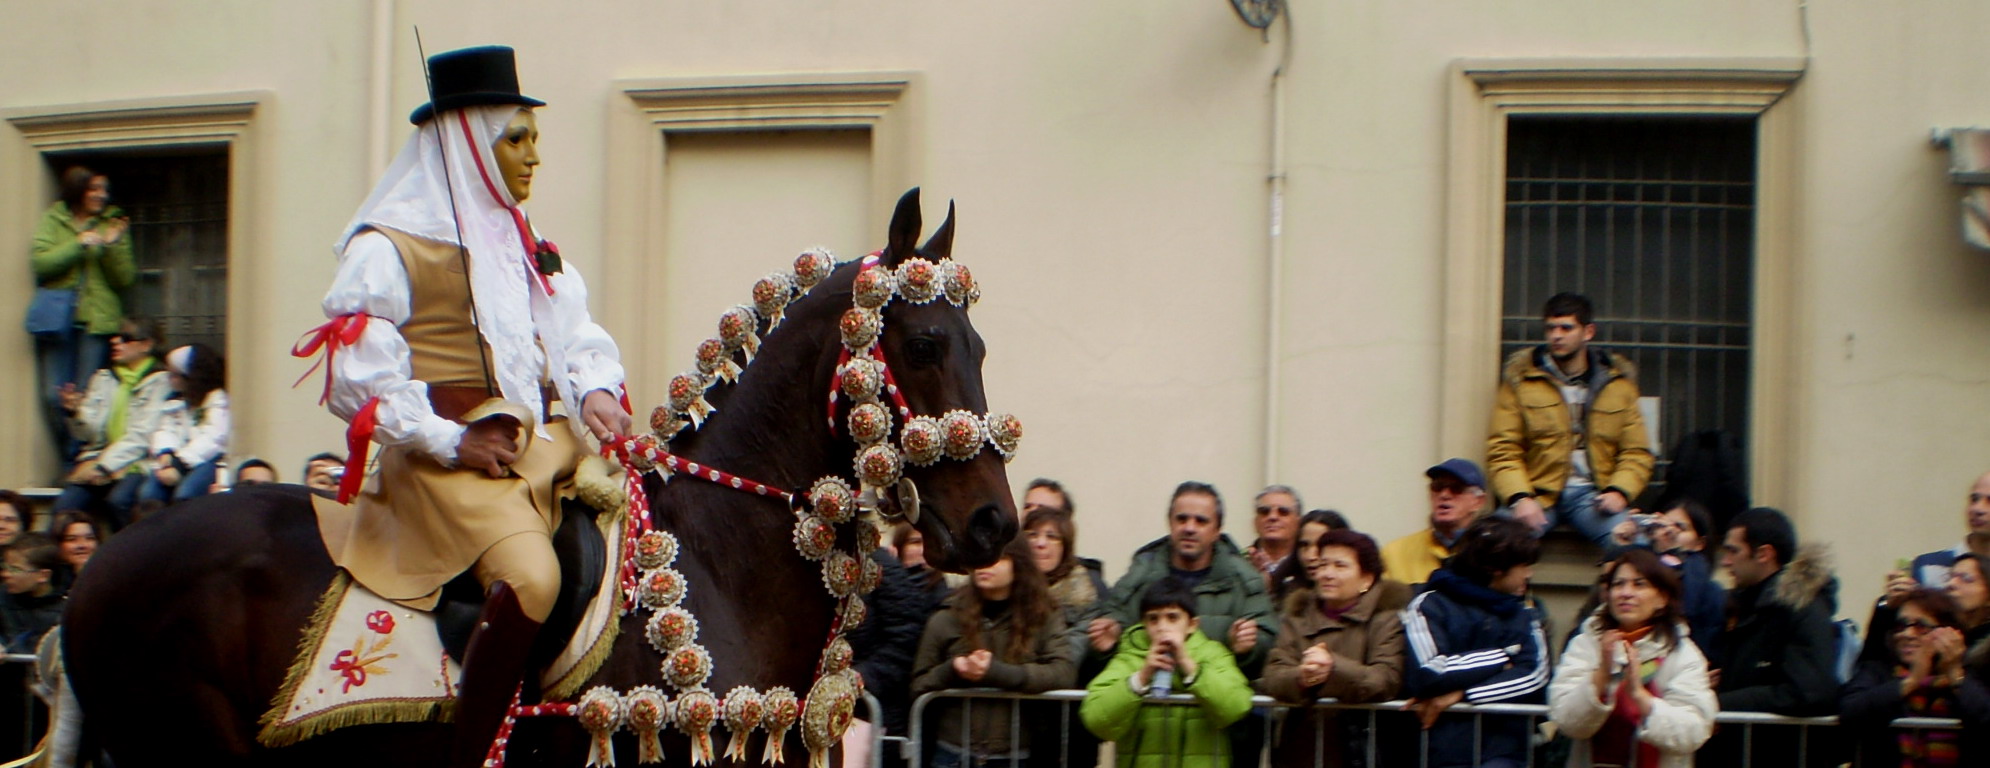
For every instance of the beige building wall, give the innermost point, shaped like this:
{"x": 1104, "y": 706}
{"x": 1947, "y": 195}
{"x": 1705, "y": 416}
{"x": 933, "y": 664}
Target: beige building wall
{"x": 1111, "y": 162}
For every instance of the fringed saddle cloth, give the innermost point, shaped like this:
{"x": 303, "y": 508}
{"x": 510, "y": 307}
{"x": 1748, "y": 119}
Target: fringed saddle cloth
{"x": 367, "y": 660}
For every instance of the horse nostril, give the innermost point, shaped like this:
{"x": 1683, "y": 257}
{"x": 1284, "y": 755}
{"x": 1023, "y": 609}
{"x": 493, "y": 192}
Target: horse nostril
{"x": 990, "y": 528}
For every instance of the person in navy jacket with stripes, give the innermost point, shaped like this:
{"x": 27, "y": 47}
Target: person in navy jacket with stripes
{"x": 1474, "y": 638}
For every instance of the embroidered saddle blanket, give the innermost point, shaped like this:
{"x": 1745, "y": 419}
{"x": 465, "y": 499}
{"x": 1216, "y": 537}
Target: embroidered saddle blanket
{"x": 365, "y": 659}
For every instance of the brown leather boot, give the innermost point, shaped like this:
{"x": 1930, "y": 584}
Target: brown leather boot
{"x": 493, "y": 665}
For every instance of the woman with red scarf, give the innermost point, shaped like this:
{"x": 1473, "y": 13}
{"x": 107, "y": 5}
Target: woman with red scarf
{"x": 1630, "y": 690}
{"x": 1924, "y": 678}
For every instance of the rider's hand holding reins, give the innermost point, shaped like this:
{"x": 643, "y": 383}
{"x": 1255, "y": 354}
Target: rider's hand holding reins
{"x": 489, "y": 444}
{"x": 603, "y": 415}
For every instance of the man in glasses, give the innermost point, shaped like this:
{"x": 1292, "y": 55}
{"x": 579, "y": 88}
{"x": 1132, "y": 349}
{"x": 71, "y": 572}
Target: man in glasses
{"x": 1277, "y": 523}
{"x": 114, "y": 418}
{"x": 1457, "y": 496}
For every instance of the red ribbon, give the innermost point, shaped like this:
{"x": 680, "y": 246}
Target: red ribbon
{"x": 341, "y": 331}
{"x": 347, "y": 664}
{"x": 358, "y": 438}
{"x": 517, "y": 216}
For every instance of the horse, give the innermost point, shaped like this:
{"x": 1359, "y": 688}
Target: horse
{"x": 179, "y": 632}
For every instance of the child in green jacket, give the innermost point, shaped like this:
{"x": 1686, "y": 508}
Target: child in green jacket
{"x": 1166, "y": 652}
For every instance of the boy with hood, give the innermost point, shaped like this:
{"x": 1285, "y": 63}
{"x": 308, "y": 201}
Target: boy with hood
{"x": 1474, "y": 638}
{"x": 1167, "y": 653}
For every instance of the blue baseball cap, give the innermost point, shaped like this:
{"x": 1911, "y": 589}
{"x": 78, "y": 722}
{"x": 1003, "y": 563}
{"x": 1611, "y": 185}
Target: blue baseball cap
{"x": 1462, "y": 469}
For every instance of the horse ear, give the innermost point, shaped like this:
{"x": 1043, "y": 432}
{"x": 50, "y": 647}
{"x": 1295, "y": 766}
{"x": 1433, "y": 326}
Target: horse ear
{"x": 941, "y": 244}
{"x": 903, "y": 239}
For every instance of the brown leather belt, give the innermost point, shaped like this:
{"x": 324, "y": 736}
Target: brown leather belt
{"x": 452, "y": 402}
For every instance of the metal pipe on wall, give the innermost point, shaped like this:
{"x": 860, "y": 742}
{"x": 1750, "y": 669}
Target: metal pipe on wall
{"x": 1275, "y": 257}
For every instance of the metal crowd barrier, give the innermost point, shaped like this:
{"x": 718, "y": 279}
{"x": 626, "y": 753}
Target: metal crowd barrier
{"x": 28, "y": 703}
{"x": 915, "y": 743}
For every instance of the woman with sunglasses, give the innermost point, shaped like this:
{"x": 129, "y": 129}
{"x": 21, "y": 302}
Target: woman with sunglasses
{"x": 1925, "y": 678}
{"x": 114, "y": 420}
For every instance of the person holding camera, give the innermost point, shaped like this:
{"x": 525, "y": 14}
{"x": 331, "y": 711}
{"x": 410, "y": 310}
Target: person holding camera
{"x": 1924, "y": 678}
{"x": 1167, "y": 653}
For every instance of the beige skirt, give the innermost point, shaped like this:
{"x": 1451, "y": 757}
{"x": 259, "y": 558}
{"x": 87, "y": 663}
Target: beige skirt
{"x": 417, "y": 524}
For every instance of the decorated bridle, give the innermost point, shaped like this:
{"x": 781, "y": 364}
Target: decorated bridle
{"x": 648, "y": 581}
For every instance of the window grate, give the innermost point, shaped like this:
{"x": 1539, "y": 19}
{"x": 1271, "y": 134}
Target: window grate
{"x": 1654, "y": 220}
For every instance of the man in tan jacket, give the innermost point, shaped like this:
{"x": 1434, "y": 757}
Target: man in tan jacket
{"x": 1568, "y": 441}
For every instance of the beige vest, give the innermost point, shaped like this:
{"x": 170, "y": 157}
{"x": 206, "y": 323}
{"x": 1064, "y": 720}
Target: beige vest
{"x": 417, "y": 524}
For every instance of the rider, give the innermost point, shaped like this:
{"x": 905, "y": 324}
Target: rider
{"x": 457, "y": 333}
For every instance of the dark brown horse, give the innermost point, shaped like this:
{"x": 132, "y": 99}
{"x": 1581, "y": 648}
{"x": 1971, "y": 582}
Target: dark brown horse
{"x": 179, "y": 633}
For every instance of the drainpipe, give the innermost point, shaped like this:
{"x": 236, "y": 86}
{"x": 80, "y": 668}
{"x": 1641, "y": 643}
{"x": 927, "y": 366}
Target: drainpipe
{"x": 1275, "y": 257}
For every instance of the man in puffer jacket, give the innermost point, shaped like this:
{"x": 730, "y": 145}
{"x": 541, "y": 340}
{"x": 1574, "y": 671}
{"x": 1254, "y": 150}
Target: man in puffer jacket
{"x": 1474, "y": 638}
{"x": 1567, "y": 440}
{"x": 1779, "y": 653}
{"x": 1167, "y": 641}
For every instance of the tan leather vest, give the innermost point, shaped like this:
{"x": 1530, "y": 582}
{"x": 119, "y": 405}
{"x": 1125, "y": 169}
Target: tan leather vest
{"x": 441, "y": 331}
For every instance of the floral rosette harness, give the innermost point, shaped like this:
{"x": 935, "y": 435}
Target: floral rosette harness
{"x": 649, "y": 583}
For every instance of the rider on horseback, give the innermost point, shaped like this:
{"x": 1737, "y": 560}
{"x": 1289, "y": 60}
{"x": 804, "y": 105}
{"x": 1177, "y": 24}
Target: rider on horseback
{"x": 457, "y": 330}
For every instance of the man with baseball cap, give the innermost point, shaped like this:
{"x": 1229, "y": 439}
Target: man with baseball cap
{"x": 1457, "y": 496}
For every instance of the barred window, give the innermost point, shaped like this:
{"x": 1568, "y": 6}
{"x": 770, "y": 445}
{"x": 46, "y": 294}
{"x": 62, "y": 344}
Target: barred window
{"x": 1653, "y": 218}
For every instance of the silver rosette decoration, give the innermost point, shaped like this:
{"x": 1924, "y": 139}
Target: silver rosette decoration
{"x": 648, "y": 713}
{"x": 771, "y": 295}
{"x": 827, "y": 715}
{"x": 696, "y": 711}
{"x": 665, "y": 422}
{"x": 854, "y": 613}
{"x": 870, "y": 423}
{"x": 715, "y": 361}
{"x": 959, "y": 284}
{"x": 738, "y": 328}
{"x": 671, "y": 629}
{"x": 869, "y": 535}
{"x": 878, "y": 466}
{"x": 840, "y": 573}
{"x": 962, "y": 434}
{"x": 743, "y": 709}
{"x": 655, "y": 549}
{"x": 862, "y": 379}
{"x": 832, "y": 499}
{"x": 860, "y": 328}
{"x": 921, "y": 440}
{"x": 837, "y": 656}
{"x": 1005, "y": 431}
{"x": 872, "y": 288}
{"x": 918, "y": 280}
{"x": 688, "y": 667}
{"x": 814, "y": 537}
{"x": 662, "y": 588}
{"x": 687, "y": 396}
{"x": 812, "y": 266}
{"x": 779, "y": 711}
{"x": 600, "y": 711}
{"x": 871, "y": 575}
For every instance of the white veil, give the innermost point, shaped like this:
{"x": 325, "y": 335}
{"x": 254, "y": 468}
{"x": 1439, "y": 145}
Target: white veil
{"x": 412, "y": 198}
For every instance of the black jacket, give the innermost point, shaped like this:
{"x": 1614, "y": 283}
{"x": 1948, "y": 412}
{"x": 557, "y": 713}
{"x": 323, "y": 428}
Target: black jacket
{"x": 1871, "y": 700}
{"x": 1779, "y": 653}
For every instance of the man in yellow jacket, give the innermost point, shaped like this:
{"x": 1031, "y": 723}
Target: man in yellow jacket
{"x": 1568, "y": 441}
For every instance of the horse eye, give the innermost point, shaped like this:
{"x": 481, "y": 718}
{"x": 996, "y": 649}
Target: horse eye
{"x": 923, "y": 351}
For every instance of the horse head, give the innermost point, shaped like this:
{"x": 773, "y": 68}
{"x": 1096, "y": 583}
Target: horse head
{"x": 963, "y": 506}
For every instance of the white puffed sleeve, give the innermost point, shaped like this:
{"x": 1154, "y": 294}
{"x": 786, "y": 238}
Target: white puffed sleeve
{"x": 593, "y": 360}
{"x": 371, "y": 281}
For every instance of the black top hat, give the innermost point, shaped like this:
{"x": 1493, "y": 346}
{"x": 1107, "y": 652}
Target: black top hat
{"x": 472, "y": 77}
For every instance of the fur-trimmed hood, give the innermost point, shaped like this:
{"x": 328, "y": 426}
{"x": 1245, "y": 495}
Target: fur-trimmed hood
{"x": 1525, "y": 363}
{"x": 1807, "y": 578}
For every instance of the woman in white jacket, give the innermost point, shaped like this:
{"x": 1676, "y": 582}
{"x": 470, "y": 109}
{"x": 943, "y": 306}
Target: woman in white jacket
{"x": 1631, "y": 690}
{"x": 193, "y": 431}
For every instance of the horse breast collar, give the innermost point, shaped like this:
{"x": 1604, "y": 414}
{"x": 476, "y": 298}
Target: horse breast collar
{"x": 649, "y": 581}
